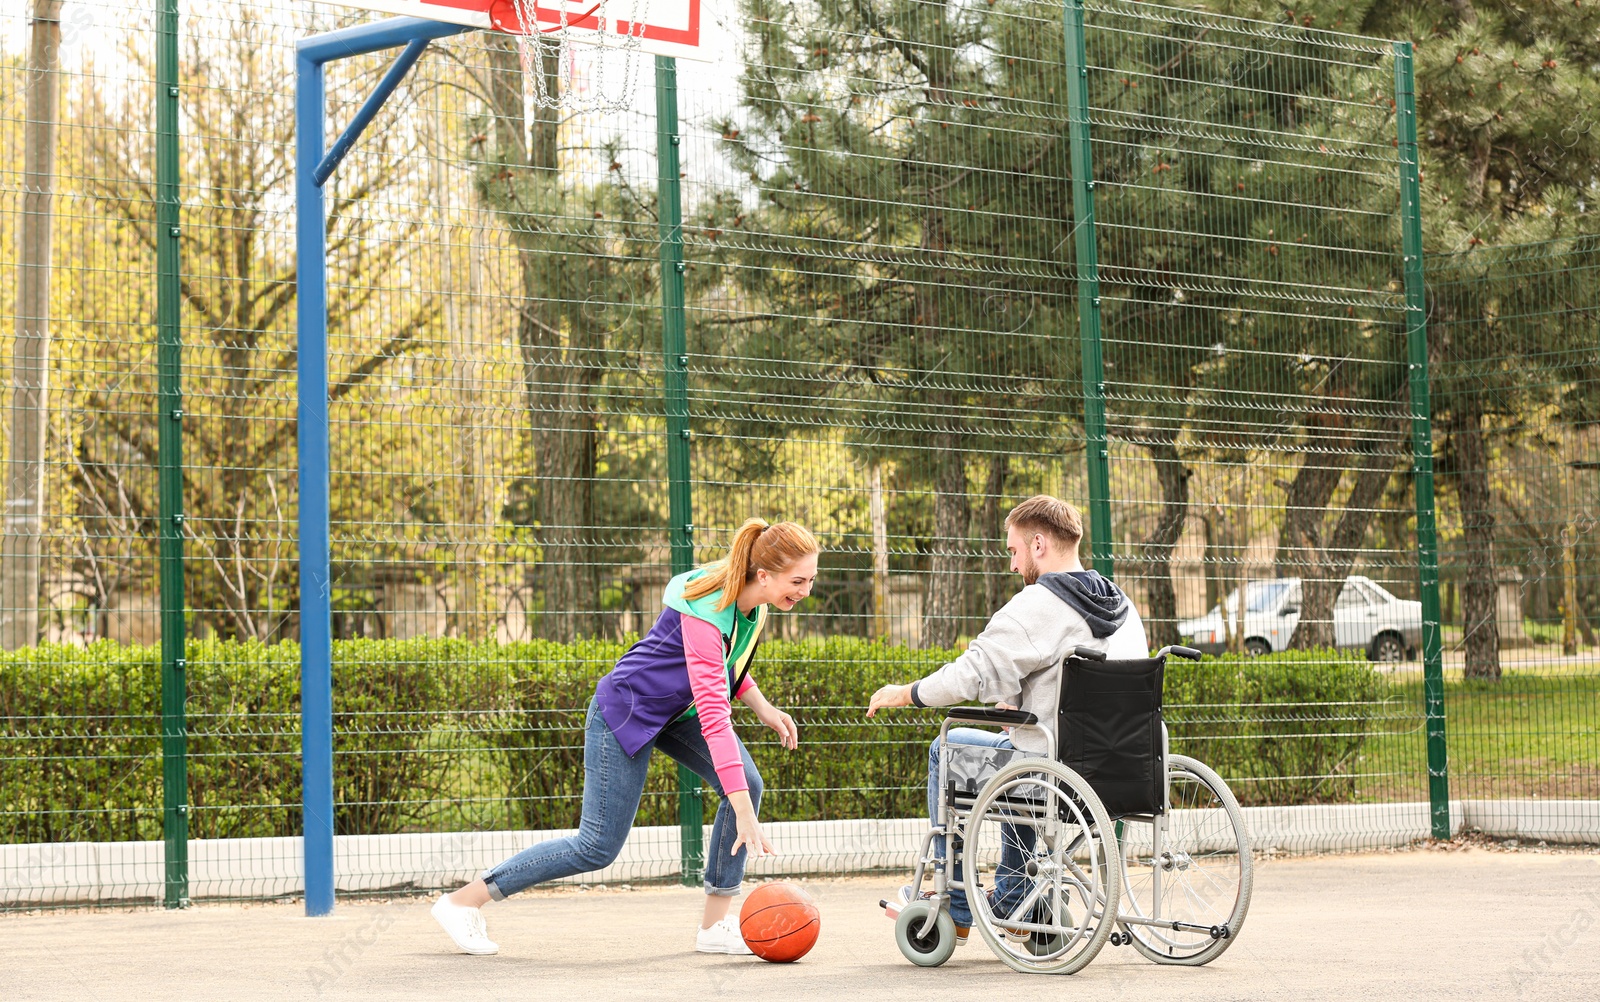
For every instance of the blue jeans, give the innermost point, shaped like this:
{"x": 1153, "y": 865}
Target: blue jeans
{"x": 613, "y": 784}
{"x": 1015, "y": 842}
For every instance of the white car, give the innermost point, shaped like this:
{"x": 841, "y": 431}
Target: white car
{"x": 1364, "y": 615}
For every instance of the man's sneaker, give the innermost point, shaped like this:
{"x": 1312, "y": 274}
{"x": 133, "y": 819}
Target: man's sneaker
{"x": 722, "y": 937}
{"x": 905, "y": 896}
{"x": 1016, "y": 935}
{"x": 465, "y": 926}
{"x": 1042, "y": 915}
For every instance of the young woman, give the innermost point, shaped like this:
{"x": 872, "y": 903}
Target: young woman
{"x": 672, "y": 691}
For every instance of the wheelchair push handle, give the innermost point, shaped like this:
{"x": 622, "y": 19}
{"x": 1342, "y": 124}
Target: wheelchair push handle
{"x": 1183, "y": 652}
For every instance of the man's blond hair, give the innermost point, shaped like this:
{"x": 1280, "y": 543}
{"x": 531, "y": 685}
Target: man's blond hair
{"x": 1051, "y": 516}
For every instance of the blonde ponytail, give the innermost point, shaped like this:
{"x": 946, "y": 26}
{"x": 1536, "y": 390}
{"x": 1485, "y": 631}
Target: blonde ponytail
{"x": 756, "y": 546}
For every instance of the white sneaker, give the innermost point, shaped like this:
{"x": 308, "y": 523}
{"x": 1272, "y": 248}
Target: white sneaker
{"x": 465, "y": 926}
{"x": 723, "y": 937}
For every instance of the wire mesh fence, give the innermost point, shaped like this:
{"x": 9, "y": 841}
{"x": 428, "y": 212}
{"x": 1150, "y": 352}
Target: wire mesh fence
{"x": 1518, "y": 388}
{"x": 885, "y": 301}
{"x": 1254, "y": 343}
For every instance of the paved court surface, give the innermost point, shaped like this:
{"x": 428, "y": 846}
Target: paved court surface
{"x": 1472, "y": 924}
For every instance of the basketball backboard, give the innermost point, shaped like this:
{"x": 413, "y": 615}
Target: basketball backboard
{"x": 664, "y": 27}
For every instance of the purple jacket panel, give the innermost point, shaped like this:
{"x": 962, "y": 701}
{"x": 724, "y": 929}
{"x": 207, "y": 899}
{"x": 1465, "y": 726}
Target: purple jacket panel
{"x": 649, "y": 687}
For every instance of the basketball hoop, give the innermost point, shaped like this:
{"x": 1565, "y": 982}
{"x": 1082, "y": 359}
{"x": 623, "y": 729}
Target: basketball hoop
{"x": 538, "y": 25}
{"x": 669, "y": 28}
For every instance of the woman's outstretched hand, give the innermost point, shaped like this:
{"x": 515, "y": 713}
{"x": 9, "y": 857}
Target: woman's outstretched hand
{"x": 788, "y": 732}
{"x": 749, "y": 827}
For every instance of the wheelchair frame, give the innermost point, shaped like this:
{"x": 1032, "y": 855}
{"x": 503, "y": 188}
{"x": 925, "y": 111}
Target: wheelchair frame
{"x": 1061, "y": 808}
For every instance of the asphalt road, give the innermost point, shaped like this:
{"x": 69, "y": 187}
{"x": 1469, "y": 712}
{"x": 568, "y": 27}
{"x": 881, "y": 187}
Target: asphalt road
{"x": 1464, "y": 924}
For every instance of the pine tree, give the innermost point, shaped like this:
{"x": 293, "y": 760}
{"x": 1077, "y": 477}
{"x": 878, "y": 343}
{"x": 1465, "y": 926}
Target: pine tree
{"x": 911, "y": 195}
{"x": 1506, "y": 93}
{"x": 585, "y": 253}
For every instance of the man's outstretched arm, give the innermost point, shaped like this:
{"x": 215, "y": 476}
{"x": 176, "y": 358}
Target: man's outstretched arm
{"x": 991, "y": 669}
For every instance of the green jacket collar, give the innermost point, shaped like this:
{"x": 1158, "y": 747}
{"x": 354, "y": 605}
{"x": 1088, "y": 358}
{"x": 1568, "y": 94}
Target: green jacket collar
{"x": 739, "y": 633}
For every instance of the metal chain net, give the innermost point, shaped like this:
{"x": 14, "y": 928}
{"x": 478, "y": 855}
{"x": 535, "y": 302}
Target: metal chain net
{"x": 556, "y": 81}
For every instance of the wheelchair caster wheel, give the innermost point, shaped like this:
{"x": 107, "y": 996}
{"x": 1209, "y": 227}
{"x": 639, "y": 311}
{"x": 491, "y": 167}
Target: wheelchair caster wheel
{"x": 928, "y": 949}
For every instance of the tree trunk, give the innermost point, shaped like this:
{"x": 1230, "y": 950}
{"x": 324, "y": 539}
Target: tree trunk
{"x": 559, "y": 372}
{"x": 1230, "y": 578}
{"x": 1481, "y": 629}
{"x": 1541, "y": 586}
{"x": 561, "y": 401}
{"x": 473, "y": 611}
{"x": 1318, "y": 595}
{"x": 517, "y": 144}
{"x": 30, "y": 361}
{"x": 1300, "y": 538}
{"x": 880, "y": 555}
{"x": 952, "y": 510}
{"x": 1210, "y": 565}
{"x": 989, "y": 529}
{"x": 1161, "y": 611}
{"x": 1569, "y": 590}
{"x": 1465, "y": 13}
{"x": 1235, "y": 546}
{"x": 952, "y": 515}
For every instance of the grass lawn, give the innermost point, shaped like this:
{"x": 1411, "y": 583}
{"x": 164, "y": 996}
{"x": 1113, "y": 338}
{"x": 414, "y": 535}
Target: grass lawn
{"x": 1531, "y": 734}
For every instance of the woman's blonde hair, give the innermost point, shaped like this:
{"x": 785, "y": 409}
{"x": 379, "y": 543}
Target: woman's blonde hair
{"x": 756, "y": 546}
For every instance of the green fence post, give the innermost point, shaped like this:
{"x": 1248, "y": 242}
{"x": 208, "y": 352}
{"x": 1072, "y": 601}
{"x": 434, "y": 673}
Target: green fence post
{"x": 169, "y": 421}
{"x": 1096, "y": 451}
{"x": 1421, "y": 438}
{"x": 674, "y": 350}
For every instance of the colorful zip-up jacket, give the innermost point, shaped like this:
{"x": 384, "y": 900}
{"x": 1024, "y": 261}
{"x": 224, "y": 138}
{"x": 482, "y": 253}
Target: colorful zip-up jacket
{"x": 692, "y": 657}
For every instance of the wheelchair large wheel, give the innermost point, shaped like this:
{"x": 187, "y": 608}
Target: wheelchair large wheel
{"x": 1190, "y": 866}
{"x": 1040, "y": 865}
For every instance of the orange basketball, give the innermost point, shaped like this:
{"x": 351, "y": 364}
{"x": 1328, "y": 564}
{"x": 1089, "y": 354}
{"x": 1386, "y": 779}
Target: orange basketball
{"x": 780, "y": 922}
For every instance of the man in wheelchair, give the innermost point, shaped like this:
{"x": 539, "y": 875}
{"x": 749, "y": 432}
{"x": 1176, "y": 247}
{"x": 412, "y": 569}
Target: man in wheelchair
{"x": 1015, "y": 663}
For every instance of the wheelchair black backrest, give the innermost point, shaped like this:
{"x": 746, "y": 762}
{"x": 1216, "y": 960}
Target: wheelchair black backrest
{"x": 1109, "y": 731}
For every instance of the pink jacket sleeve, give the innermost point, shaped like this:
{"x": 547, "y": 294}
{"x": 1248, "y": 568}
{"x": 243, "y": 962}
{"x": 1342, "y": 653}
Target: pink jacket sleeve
{"x": 702, "y": 651}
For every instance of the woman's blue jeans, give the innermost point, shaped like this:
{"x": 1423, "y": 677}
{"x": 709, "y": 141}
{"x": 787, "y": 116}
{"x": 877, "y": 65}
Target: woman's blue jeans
{"x": 613, "y": 784}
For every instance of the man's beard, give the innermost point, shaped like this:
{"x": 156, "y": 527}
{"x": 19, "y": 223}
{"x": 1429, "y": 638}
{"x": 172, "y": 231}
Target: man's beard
{"x": 1030, "y": 570}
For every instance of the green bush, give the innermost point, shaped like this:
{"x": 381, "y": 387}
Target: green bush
{"x": 80, "y": 748}
{"x": 1287, "y": 728}
{"x": 448, "y": 734}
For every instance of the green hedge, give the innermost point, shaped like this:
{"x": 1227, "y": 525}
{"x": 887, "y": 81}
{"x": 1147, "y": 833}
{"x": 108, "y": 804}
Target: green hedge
{"x": 1288, "y": 728}
{"x": 448, "y": 734}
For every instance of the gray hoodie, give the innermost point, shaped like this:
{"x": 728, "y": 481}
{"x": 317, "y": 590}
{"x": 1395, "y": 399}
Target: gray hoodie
{"x": 1017, "y": 657}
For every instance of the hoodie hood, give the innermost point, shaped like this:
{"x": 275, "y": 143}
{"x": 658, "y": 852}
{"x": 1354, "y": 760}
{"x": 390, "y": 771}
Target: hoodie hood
{"x": 1101, "y": 604}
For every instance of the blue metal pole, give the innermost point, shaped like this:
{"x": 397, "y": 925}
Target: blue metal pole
{"x": 316, "y": 619}
{"x": 390, "y": 33}
{"x": 369, "y": 110}
{"x": 312, "y": 169}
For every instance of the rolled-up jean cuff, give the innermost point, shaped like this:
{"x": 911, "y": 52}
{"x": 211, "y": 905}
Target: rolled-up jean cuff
{"x": 722, "y": 892}
{"x": 494, "y": 891}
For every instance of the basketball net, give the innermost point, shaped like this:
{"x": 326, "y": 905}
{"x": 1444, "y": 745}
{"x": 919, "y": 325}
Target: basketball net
{"x": 581, "y": 23}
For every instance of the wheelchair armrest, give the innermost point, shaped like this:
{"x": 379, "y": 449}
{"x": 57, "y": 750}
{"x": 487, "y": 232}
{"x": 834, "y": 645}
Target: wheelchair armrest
{"x": 990, "y": 715}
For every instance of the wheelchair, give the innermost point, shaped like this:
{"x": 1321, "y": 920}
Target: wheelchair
{"x": 1108, "y": 839}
